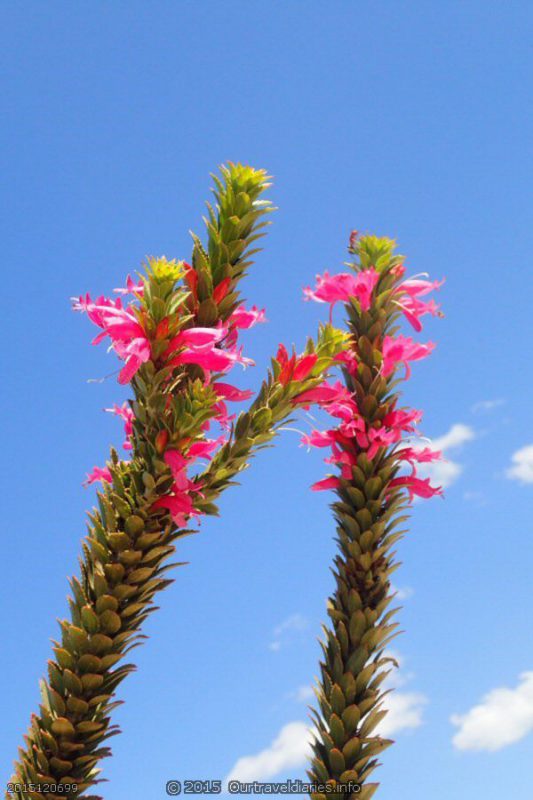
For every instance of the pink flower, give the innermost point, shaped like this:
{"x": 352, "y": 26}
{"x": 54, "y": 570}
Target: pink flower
{"x": 344, "y": 459}
{"x": 132, "y": 287}
{"x": 242, "y": 318}
{"x": 413, "y": 308}
{"x": 333, "y": 398}
{"x": 416, "y": 486}
{"x": 204, "y": 448}
{"x": 123, "y": 328}
{"x": 319, "y": 439}
{"x": 222, "y": 416}
{"x": 228, "y": 392}
{"x": 119, "y": 324}
{"x": 344, "y": 286}
{"x": 402, "y": 419}
{"x": 180, "y": 507}
{"x": 365, "y": 283}
{"x": 401, "y": 350}
{"x": 196, "y": 338}
{"x": 98, "y": 474}
{"x": 381, "y": 437}
{"x": 136, "y": 353}
{"x": 125, "y": 412}
{"x": 327, "y": 483}
{"x": 424, "y": 456}
{"x": 418, "y": 288}
{"x": 324, "y": 394}
{"x": 211, "y": 358}
{"x": 348, "y": 358}
{"x": 176, "y": 461}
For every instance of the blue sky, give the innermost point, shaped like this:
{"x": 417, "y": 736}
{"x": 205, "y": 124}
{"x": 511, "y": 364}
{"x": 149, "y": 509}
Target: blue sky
{"x": 405, "y": 119}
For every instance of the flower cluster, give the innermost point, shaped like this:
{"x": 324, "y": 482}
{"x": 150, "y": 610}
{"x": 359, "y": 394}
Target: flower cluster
{"x": 176, "y": 347}
{"x": 356, "y": 433}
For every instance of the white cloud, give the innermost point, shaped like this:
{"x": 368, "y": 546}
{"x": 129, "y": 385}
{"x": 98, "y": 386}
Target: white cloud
{"x": 456, "y": 436}
{"x": 404, "y": 711}
{"x": 404, "y": 708}
{"x": 441, "y": 473}
{"x": 283, "y": 631}
{"x": 402, "y": 592}
{"x": 303, "y": 694}
{"x": 503, "y": 717}
{"x": 444, "y": 473}
{"x": 522, "y": 466}
{"x": 289, "y": 750}
{"x": 487, "y": 405}
{"x": 476, "y": 497}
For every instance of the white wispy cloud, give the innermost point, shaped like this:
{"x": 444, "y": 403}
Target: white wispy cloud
{"x": 521, "y": 468}
{"x": 303, "y": 694}
{"x": 487, "y": 405}
{"x": 290, "y": 749}
{"x": 404, "y": 708}
{"x": 476, "y": 497}
{"x": 282, "y": 632}
{"x": 458, "y": 435}
{"x": 402, "y": 592}
{"x": 444, "y": 473}
{"x": 503, "y": 717}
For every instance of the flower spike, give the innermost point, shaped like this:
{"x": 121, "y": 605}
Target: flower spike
{"x": 370, "y": 448}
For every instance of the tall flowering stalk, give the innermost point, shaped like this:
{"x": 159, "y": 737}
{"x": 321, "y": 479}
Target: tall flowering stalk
{"x": 372, "y": 446}
{"x": 176, "y": 331}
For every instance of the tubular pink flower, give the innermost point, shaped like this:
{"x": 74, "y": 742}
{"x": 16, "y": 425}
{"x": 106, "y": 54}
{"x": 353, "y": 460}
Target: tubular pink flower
{"x": 125, "y": 412}
{"x": 333, "y": 398}
{"x": 98, "y": 474}
{"x": 222, "y": 416}
{"x": 136, "y": 353}
{"x": 349, "y": 360}
{"x": 211, "y": 358}
{"x": 176, "y": 461}
{"x": 243, "y": 318}
{"x": 416, "y": 486}
{"x": 423, "y": 456}
{"x": 401, "y": 350}
{"x": 228, "y": 392}
{"x": 125, "y": 331}
{"x": 324, "y": 394}
{"x": 319, "y": 439}
{"x": 326, "y": 483}
{"x": 418, "y": 288}
{"x": 381, "y": 437}
{"x": 344, "y": 286}
{"x": 413, "y": 308}
{"x": 131, "y": 287}
{"x": 205, "y": 448}
{"x": 402, "y": 419}
{"x": 365, "y": 284}
{"x": 196, "y": 338}
{"x": 180, "y": 507}
{"x": 119, "y": 324}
